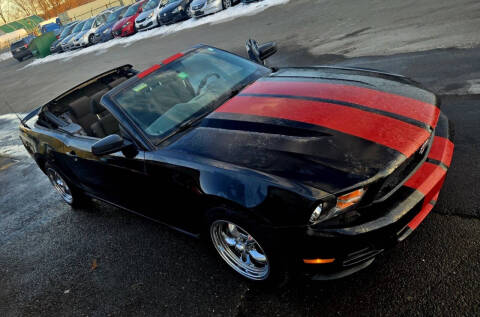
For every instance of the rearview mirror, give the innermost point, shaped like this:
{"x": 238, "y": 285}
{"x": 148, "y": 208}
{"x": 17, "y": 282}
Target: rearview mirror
{"x": 110, "y": 144}
{"x": 259, "y": 54}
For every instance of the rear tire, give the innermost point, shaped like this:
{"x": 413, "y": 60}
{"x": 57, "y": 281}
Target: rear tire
{"x": 245, "y": 247}
{"x": 69, "y": 193}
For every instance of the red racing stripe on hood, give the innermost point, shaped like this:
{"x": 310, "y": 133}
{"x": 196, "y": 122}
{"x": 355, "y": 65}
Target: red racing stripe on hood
{"x": 442, "y": 150}
{"x": 401, "y": 136}
{"x": 400, "y": 105}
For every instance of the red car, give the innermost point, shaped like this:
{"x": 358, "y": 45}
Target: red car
{"x": 126, "y": 26}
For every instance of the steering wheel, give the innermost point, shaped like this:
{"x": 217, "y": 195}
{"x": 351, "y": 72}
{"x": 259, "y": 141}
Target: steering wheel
{"x": 204, "y": 81}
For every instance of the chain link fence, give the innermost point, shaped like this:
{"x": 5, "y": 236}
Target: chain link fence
{"x": 91, "y": 9}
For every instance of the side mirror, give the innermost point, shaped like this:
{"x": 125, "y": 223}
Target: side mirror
{"x": 110, "y": 144}
{"x": 259, "y": 54}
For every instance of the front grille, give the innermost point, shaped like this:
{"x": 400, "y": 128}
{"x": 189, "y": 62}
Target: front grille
{"x": 197, "y": 7}
{"x": 399, "y": 175}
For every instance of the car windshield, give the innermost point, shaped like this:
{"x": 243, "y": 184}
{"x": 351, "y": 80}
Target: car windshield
{"x": 88, "y": 24}
{"x": 187, "y": 89}
{"x": 67, "y": 31}
{"x": 133, "y": 9}
{"x": 79, "y": 27}
{"x": 116, "y": 15}
{"x": 152, "y": 4}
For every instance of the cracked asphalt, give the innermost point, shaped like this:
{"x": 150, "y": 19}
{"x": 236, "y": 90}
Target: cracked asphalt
{"x": 104, "y": 261}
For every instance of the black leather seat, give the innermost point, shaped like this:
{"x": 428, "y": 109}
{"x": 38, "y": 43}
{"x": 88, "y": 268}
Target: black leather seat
{"x": 106, "y": 124}
{"x": 81, "y": 112}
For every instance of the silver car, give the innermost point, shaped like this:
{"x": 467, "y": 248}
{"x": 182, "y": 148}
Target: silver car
{"x": 200, "y": 8}
{"x": 148, "y": 18}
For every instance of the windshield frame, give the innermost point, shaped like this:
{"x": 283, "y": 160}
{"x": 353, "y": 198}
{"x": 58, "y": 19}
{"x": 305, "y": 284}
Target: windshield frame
{"x": 136, "y": 5}
{"x": 116, "y": 15}
{"x": 160, "y": 141}
{"x": 90, "y": 21}
{"x": 147, "y": 8}
{"x": 80, "y": 26}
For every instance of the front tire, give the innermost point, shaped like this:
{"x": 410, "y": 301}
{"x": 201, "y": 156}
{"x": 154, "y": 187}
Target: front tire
{"x": 245, "y": 248}
{"x": 90, "y": 39}
{"x": 70, "y": 194}
{"x": 226, "y": 4}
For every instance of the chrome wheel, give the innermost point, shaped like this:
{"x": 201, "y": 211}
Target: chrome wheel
{"x": 227, "y": 4}
{"x": 60, "y": 185}
{"x": 240, "y": 250}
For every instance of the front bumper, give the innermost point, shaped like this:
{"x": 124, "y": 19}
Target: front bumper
{"x": 170, "y": 18}
{"x": 147, "y": 24}
{"x": 207, "y": 8}
{"x": 125, "y": 31}
{"x": 103, "y": 37}
{"x": 355, "y": 246}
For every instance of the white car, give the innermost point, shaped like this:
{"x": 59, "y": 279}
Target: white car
{"x": 148, "y": 18}
{"x": 87, "y": 36}
{"x": 200, "y": 8}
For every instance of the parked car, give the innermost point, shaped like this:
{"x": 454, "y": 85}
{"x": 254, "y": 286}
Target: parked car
{"x": 174, "y": 11}
{"x": 67, "y": 43}
{"x": 148, "y": 18}
{"x": 319, "y": 167}
{"x": 56, "y": 46}
{"x": 126, "y": 26}
{"x": 200, "y": 8}
{"x": 104, "y": 32}
{"x": 20, "y": 49}
{"x": 87, "y": 36}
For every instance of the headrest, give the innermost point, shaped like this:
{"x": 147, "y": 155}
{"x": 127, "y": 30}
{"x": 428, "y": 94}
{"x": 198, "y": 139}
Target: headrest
{"x": 95, "y": 105}
{"x": 80, "y": 107}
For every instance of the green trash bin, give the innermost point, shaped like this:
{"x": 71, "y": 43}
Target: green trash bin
{"x": 40, "y": 46}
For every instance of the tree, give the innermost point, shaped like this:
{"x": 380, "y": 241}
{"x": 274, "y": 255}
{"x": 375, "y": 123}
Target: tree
{"x": 4, "y": 8}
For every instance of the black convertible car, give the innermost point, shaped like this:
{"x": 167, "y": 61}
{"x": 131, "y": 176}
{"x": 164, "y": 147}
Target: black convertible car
{"x": 317, "y": 167}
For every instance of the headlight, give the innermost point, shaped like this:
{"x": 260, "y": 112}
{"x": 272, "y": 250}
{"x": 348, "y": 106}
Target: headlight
{"x": 177, "y": 9}
{"x": 329, "y": 209}
{"x": 126, "y": 24}
{"x": 106, "y": 31}
{"x": 85, "y": 37}
{"x": 151, "y": 14}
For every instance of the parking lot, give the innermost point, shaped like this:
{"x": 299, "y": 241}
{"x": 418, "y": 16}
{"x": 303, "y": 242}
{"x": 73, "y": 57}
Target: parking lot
{"x": 103, "y": 261}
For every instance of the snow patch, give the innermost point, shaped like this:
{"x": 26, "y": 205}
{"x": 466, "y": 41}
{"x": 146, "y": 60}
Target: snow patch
{"x": 220, "y": 17}
{"x": 10, "y": 144}
{"x": 5, "y": 56}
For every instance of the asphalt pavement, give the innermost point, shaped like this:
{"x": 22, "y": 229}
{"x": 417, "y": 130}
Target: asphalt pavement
{"x": 102, "y": 261}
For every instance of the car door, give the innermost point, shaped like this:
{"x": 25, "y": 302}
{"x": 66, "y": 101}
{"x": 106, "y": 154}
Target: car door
{"x": 115, "y": 177}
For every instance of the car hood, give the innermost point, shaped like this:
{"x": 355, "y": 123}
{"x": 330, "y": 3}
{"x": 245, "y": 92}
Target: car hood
{"x": 169, "y": 7}
{"x": 68, "y": 38}
{"x": 327, "y": 128}
{"x": 197, "y": 3}
{"x": 144, "y": 15}
{"x": 121, "y": 22}
{"x": 79, "y": 35}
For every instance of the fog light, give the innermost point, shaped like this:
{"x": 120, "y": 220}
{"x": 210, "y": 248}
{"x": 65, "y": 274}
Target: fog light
{"x": 318, "y": 261}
